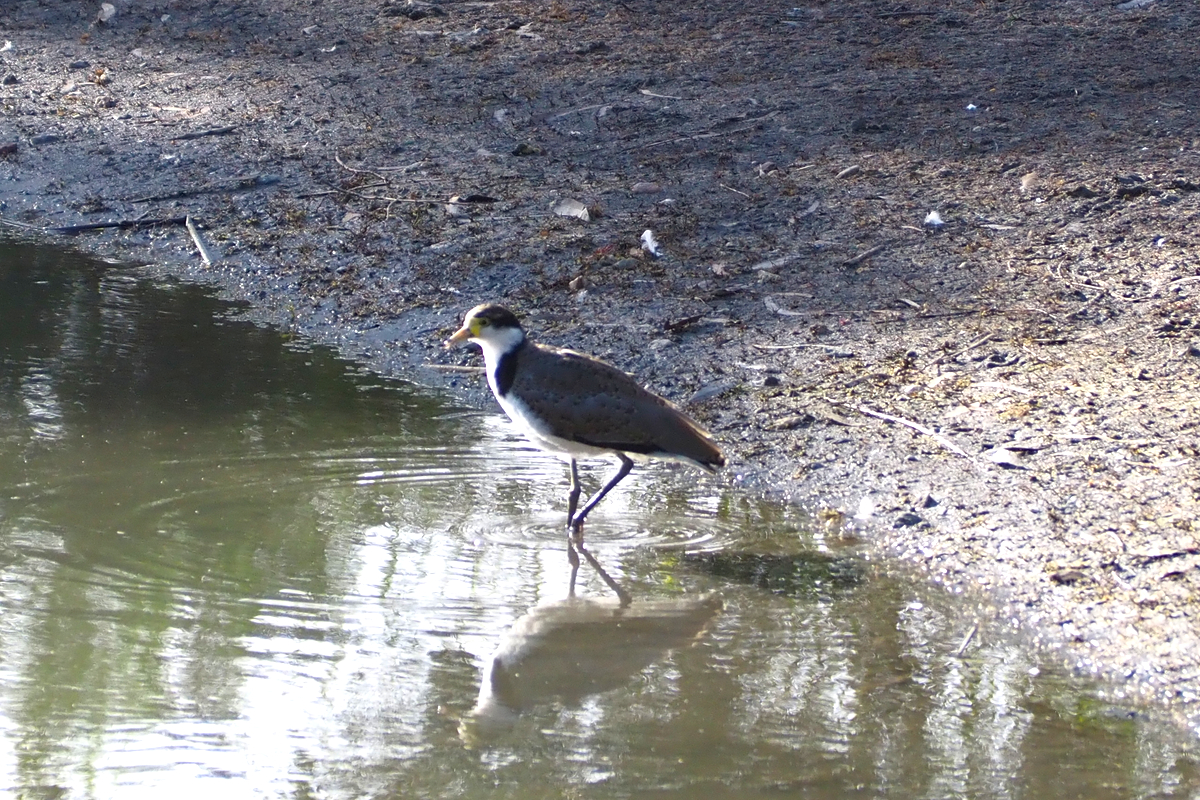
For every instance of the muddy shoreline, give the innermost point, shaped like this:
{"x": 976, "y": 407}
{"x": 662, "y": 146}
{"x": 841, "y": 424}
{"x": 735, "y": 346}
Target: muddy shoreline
{"x": 1001, "y": 396}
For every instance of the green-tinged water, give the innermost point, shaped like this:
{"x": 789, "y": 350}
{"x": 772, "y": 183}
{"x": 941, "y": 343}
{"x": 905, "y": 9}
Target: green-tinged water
{"x": 235, "y": 567}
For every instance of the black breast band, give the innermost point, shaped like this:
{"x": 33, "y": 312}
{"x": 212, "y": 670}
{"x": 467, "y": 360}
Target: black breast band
{"x": 506, "y": 369}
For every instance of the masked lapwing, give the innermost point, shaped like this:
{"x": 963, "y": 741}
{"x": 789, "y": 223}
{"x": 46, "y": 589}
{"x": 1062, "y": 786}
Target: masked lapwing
{"x": 576, "y": 406}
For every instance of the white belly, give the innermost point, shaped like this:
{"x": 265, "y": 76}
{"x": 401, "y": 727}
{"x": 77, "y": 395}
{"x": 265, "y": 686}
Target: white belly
{"x": 541, "y": 437}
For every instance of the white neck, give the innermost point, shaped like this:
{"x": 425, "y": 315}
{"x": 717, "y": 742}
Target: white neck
{"x": 497, "y": 343}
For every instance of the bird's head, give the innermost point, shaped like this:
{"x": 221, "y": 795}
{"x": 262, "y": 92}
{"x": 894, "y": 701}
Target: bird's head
{"x": 488, "y": 324}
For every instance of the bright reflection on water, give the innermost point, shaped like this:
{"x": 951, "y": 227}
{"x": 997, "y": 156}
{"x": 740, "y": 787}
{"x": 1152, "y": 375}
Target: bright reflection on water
{"x": 235, "y": 567}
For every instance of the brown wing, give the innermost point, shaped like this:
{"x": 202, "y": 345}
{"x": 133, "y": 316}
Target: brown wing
{"x": 588, "y": 401}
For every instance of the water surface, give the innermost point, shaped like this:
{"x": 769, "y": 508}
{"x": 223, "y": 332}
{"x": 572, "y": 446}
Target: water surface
{"x": 234, "y": 564}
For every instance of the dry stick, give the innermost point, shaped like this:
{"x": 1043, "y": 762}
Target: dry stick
{"x": 205, "y": 255}
{"x": 748, "y": 127}
{"x": 735, "y": 191}
{"x": 863, "y": 256}
{"x": 962, "y": 647}
{"x": 239, "y": 185}
{"x": 649, "y": 93}
{"x": 210, "y": 132}
{"x": 452, "y": 368}
{"x": 937, "y": 437}
{"x": 123, "y": 224}
{"x": 796, "y": 346}
{"x": 12, "y": 223}
{"x": 987, "y": 337}
{"x": 562, "y": 114}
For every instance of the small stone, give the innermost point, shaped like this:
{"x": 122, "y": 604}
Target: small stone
{"x": 44, "y": 138}
{"x": 10, "y": 79}
{"x": 908, "y": 519}
{"x": 526, "y": 149}
{"x": 81, "y": 63}
{"x": 712, "y": 390}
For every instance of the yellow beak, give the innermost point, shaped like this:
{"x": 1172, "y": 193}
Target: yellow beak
{"x": 460, "y": 336}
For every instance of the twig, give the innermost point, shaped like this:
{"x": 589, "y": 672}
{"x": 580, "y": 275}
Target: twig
{"x": 735, "y": 191}
{"x": 962, "y": 646}
{"x": 241, "y": 184}
{"x": 210, "y": 132}
{"x": 123, "y": 224}
{"x": 987, "y": 337}
{"x": 937, "y": 437}
{"x": 863, "y": 256}
{"x": 205, "y": 255}
{"x": 649, "y": 93}
{"x": 562, "y": 114}
{"x": 795, "y": 346}
{"x": 452, "y": 368}
{"x": 355, "y": 170}
{"x": 12, "y": 223}
{"x": 751, "y": 124}
{"x": 902, "y": 14}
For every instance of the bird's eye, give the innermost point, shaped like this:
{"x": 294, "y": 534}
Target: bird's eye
{"x": 483, "y": 323}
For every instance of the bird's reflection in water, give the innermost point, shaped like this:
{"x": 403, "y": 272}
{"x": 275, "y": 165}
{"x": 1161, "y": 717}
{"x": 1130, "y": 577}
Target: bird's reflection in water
{"x": 571, "y": 649}
{"x": 575, "y": 549}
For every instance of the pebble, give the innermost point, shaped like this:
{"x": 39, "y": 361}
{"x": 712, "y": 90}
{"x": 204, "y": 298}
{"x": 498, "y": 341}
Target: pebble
{"x": 10, "y": 79}
{"x": 81, "y": 63}
{"x": 44, "y": 138}
{"x": 711, "y": 390}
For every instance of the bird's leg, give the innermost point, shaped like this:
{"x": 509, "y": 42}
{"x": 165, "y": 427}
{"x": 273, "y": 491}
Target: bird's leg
{"x": 577, "y": 519}
{"x": 573, "y": 497}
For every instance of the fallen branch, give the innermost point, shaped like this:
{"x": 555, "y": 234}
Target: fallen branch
{"x": 452, "y": 368}
{"x": 205, "y": 254}
{"x": 863, "y": 256}
{"x": 751, "y": 124}
{"x": 962, "y": 646}
{"x": 12, "y": 223}
{"x": 122, "y": 224}
{"x": 562, "y": 114}
{"x": 797, "y": 346}
{"x": 982, "y": 340}
{"x": 649, "y": 93}
{"x": 210, "y": 132}
{"x": 937, "y": 437}
{"x": 239, "y": 185}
